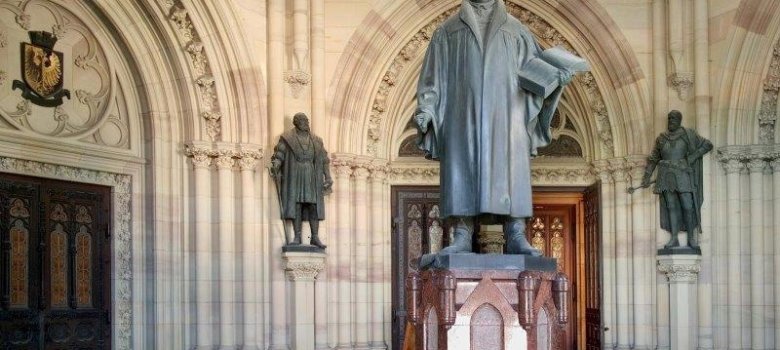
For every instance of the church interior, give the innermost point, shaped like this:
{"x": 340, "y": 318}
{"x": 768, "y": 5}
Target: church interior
{"x": 138, "y": 209}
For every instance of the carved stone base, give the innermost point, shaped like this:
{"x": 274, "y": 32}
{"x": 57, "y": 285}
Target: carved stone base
{"x": 682, "y": 273}
{"x": 487, "y": 309}
{"x": 302, "y": 270}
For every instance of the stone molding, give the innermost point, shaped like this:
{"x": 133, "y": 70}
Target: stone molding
{"x": 417, "y": 44}
{"x": 303, "y": 266}
{"x": 122, "y": 240}
{"x": 680, "y": 268}
{"x": 223, "y": 155}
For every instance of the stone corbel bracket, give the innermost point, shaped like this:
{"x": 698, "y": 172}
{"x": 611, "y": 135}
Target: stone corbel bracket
{"x": 682, "y": 82}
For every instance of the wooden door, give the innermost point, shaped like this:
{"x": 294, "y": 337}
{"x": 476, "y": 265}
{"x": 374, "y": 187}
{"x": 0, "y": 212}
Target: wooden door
{"x": 54, "y": 264}
{"x": 593, "y": 326}
{"x": 417, "y": 230}
{"x": 553, "y": 229}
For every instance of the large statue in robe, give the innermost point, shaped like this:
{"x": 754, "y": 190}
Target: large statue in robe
{"x": 476, "y": 119}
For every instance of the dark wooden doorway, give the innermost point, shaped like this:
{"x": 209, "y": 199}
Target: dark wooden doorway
{"x": 54, "y": 264}
{"x": 564, "y": 226}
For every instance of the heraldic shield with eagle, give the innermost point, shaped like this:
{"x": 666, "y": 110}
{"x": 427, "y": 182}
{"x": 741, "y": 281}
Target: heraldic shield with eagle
{"x": 42, "y": 71}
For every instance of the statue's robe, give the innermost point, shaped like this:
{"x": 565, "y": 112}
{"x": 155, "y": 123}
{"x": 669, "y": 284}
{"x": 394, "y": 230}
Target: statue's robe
{"x": 301, "y": 172}
{"x": 694, "y": 143}
{"x": 485, "y": 126}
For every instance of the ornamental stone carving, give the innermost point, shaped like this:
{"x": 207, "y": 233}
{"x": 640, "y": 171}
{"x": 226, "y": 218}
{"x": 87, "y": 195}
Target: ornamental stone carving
{"x": 767, "y": 116}
{"x": 98, "y": 113}
{"x": 297, "y": 79}
{"x": 680, "y": 272}
{"x": 201, "y": 67}
{"x": 682, "y": 82}
{"x": 303, "y": 266}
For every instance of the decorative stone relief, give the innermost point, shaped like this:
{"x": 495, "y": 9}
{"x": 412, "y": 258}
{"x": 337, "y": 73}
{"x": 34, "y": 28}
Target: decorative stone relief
{"x": 419, "y": 42}
{"x": 303, "y": 270}
{"x": 199, "y": 63}
{"x": 741, "y": 158}
{"x": 97, "y": 111}
{"x": 545, "y": 175}
{"x": 680, "y": 272}
{"x": 767, "y": 116}
{"x": 682, "y": 82}
{"x": 122, "y": 237}
{"x": 297, "y": 79}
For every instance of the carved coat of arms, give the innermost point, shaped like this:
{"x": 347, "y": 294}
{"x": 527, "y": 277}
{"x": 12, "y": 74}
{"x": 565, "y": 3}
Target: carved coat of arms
{"x": 42, "y": 71}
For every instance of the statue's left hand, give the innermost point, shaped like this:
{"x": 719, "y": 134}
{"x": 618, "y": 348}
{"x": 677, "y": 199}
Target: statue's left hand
{"x": 565, "y": 77}
{"x": 327, "y": 187}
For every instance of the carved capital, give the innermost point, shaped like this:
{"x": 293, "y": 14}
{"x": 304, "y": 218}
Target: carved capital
{"x": 619, "y": 170}
{"x": 247, "y": 159}
{"x": 297, "y": 79}
{"x": 775, "y": 164}
{"x": 732, "y": 166}
{"x": 224, "y": 160}
{"x": 601, "y": 168}
{"x": 756, "y": 165}
{"x": 201, "y": 157}
{"x": 680, "y": 270}
{"x": 682, "y": 82}
{"x": 303, "y": 266}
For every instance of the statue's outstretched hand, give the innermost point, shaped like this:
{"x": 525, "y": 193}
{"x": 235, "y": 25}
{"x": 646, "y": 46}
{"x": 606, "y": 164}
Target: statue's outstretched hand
{"x": 423, "y": 120}
{"x": 565, "y": 76}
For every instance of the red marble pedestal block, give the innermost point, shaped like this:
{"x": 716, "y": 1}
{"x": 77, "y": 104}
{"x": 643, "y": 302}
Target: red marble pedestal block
{"x": 487, "y": 309}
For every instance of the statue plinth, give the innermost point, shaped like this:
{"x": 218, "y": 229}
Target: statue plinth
{"x": 682, "y": 272}
{"x": 302, "y": 269}
{"x": 489, "y": 301}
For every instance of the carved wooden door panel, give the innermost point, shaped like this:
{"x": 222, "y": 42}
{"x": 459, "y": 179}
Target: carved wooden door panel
{"x": 552, "y": 230}
{"x": 593, "y": 327}
{"x": 417, "y": 230}
{"x": 54, "y": 264}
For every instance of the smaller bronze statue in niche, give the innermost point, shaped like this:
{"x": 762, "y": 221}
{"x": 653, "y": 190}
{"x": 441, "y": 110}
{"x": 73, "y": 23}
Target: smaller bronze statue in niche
{"x": 300, "y": 169}
{"x": 678, "y": 156}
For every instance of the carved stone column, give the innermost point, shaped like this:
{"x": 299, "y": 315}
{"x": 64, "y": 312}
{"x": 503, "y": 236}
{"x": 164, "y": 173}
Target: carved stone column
{"x": 757, "y": 166}
{"x": 776, "y": 217}
{"x": 227, "y": 255}
{"x": 733, "y": 167}
{"x": 204, "y": 288}
{"x": 378, "y": 235}
{"x": 642, "y": 253}
{"x": 252, "y": 259}
{"x": 343, "y": 254}
{"x": 302, "y": 269}
{"x": 361, "y": 202}
{"x": 622, "y": 254}
{"x": 608, "y": 254}
{"x": 682, "y": 273}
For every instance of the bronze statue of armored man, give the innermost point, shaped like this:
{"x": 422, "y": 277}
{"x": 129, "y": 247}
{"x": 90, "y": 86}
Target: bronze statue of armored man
{"x": 677, "y": 155}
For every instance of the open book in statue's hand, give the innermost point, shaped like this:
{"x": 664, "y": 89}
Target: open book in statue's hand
{"x": 542, "y": 74}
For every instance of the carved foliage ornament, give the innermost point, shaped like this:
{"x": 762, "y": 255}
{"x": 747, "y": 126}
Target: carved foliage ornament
{"x": 767, "y": 116}
{"x": 419, "y": 42}
{"x": 193, "y": 45}
{"x": 680, "y": 272}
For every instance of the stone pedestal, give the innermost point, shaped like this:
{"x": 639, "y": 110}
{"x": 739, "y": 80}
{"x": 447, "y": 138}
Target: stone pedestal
{"x": 302, "y": 269}
{"x": 465, "y": 306}
{"x": 682, "y": 272}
